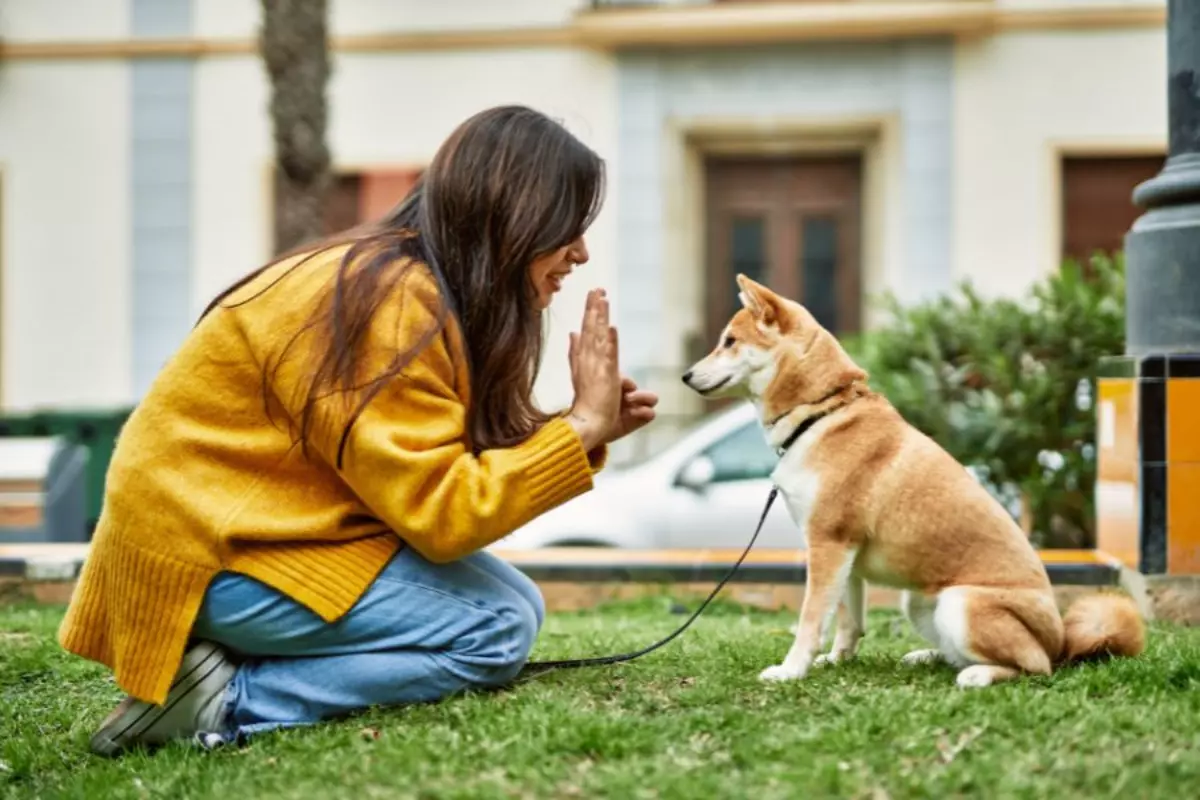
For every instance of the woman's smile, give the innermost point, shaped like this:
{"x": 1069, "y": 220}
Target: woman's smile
{"x": 548, "y": 272}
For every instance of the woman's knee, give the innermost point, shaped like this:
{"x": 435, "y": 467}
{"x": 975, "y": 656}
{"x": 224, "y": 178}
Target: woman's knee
{"x": 514, "y": 579}
{"x": 533, "y": 595}
{"x": 495, "y": 651}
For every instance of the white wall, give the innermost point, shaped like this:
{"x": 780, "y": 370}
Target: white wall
{"x": 64, "y": 20}
{"x": 64, "y": 163}
{"x": 236, "y": 18}
{"x": 391, "y": 109}
{"x": 64, "y": 197}
{"x": 371, "y": 16}
{"x": 1018, "y": 98}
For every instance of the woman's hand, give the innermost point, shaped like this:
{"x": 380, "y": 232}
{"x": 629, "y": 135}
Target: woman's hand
{"x": 637, "y": 409}
{"x": 595, "y": 374}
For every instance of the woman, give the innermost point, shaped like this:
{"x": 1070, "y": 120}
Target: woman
{"x": 295, "y": 512}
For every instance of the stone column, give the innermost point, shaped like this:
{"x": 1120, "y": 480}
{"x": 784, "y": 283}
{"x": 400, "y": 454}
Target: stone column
{"x": 1163, "y": 248}
{"x": 1148, "y": 492}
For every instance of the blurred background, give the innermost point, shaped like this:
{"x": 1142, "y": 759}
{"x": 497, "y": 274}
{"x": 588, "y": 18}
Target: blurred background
{"x": 946, "y": 184}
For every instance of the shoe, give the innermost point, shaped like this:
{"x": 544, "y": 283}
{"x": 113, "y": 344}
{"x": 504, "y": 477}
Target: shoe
{"x": 194, "y": 705}
{"x": 207, "y": 740}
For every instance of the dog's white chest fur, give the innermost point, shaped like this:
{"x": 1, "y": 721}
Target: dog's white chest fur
{"x": 798, "y": 482}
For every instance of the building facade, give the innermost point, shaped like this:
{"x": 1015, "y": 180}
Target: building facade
{"x": 835, "y": 149}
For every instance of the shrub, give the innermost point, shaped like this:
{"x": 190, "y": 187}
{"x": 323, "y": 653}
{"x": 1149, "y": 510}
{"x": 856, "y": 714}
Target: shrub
{"x": 1007, "y": 386}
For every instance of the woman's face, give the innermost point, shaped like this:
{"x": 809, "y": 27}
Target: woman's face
{"x": 548, "y": 272}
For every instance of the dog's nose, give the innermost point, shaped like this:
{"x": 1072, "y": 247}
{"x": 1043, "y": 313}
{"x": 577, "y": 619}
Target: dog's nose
{"x": 687, "y": 377}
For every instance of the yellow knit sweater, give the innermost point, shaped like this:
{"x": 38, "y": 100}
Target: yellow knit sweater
{"x": 203, "y": 479}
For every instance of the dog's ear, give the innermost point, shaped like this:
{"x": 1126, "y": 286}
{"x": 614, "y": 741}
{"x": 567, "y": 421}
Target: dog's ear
{"x": 763, "y": 304}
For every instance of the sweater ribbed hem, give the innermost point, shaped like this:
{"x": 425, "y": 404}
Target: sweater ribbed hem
{"x": 326, "y": 577}
{"x": 133, "y": 611}
{"x": 555, "y": 465}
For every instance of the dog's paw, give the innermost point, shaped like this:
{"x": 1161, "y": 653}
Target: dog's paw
{"x": 976, "y": 676}
{"x": 780, "y": 672}
{"x": 921, "y": 657}
{"x": 833, "y": 657}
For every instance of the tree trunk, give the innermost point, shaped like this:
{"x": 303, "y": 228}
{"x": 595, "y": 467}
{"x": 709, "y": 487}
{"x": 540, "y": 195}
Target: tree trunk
{"x": 294, "y": 46}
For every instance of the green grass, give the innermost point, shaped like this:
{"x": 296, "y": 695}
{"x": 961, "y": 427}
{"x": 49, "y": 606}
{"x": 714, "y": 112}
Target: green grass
{"x": 690, "y": 721}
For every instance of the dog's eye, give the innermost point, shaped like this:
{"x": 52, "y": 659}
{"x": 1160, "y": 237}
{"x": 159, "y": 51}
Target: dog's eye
{"x": 728, "y": 342}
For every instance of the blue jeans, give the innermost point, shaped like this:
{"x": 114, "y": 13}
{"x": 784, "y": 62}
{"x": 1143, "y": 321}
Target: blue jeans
{"x": 422, "y": 631}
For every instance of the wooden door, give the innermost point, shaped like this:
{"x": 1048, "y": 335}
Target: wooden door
{"x": 1097, "y": 201}
{"x": 357, "y": 197}
{"x": 793, "y": 224}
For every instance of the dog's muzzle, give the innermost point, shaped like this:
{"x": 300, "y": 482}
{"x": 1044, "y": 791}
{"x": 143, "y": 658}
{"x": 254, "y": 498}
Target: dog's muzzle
{"x": 687, "y": 378}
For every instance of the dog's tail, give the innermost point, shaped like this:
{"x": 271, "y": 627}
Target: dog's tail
{"x": 1103, "y": 626}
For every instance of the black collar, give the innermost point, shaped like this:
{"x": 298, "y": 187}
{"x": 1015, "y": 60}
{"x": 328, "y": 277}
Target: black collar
{"x": 801, "y": 429}
{"x": 808, "y": 422}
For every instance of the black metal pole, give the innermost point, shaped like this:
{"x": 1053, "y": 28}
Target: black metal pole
{"x": 1163, "y": 247}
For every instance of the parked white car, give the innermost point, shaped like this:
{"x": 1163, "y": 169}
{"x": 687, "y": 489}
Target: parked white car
{"x": 705, "y": 490}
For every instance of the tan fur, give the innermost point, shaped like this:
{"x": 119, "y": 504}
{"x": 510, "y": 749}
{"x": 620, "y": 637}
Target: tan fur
{"x": 1103, "y": 625}
{"x": 882, "y": 502}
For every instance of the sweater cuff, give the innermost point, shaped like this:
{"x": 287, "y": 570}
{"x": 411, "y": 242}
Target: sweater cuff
{"x": 598, "y": 457}
{"x": 556, "y": 466}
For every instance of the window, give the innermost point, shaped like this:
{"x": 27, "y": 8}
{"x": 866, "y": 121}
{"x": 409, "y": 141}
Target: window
{"x": 742, "y": 455}
{"x": 1097, "y": 201}
{"x": 747, "y": 253}
{"x": 818, "y": 268}
{"x": 357, "y": 197}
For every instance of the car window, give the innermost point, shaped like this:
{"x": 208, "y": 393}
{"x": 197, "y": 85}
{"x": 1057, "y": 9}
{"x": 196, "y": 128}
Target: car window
{"x": 742, "y": 455}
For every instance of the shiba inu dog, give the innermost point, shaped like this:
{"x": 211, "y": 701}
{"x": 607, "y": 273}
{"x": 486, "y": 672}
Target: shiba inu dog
{"x": 879, "y": 501}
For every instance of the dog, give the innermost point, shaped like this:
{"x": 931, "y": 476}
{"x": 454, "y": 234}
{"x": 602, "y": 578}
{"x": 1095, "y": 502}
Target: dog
{"x": 881, "y": 502}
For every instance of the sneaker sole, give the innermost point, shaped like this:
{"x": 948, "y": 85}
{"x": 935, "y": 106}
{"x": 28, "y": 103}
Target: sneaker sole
{"x": 116, "y": 735}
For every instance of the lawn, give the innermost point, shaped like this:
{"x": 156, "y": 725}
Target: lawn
{"x": 690, "y": 721}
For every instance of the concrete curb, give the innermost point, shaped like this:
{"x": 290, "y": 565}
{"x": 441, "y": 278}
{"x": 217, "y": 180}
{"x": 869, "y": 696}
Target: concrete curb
{"x": 1174, "y": 600}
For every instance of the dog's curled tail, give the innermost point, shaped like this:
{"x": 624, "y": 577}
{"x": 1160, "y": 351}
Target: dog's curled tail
{"x": 1102, "y": 626}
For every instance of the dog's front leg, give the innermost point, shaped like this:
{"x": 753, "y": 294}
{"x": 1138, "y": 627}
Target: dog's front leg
{"x": 829, "y": 567}
{"x": 852, "y": 623}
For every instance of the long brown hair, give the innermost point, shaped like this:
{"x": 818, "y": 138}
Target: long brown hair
{"x": 507, "y": 186}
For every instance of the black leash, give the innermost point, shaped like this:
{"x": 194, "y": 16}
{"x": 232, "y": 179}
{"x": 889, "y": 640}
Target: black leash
{"x": 535, "y": 668}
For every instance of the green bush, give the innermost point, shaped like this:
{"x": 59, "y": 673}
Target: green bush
{"x": 1007, "y": 386}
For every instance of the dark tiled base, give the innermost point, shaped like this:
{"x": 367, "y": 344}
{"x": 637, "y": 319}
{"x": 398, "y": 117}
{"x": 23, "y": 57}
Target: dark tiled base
{"x": 1152, "y": 541}
{"x": 1162, "y": 445}
{"x": 1176, "y": 365}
